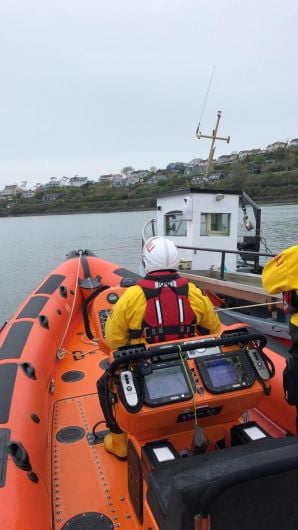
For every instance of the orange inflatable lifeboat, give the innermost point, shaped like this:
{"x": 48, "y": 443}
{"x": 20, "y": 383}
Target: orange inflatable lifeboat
{"x": 193, "y": 434}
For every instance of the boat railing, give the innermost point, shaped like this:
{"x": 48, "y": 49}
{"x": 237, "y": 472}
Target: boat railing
{"x": 241, "y": 253}
{"x": 151, "y": 226}
{"x": 150, "y": 223}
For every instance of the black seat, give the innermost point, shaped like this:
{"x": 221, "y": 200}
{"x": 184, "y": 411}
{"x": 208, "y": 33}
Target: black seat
{"x": 249, "y": 487}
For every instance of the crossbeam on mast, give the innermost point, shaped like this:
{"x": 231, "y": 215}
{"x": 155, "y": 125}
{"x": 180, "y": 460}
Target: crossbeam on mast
{"x": 213, "y": 137}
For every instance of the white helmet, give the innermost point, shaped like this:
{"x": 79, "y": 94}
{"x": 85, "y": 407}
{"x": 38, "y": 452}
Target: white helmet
{"x": 160, "y": 253}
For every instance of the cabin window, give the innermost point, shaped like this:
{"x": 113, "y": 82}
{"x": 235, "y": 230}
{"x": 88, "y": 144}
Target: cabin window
{"x": 215, "y": 224}
{"x": 175, "y": 224}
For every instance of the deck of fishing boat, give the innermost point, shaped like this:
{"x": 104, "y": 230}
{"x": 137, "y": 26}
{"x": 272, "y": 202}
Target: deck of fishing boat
{"x": 239, "y": 285}
{"x": 246, "y": 286}
{"x": 241, "y": 297}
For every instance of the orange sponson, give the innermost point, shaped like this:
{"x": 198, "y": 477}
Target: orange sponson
{"x": 28, "y": 346}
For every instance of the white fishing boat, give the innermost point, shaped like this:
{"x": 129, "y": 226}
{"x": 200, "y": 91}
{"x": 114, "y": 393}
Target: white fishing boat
{"x": 204, "y": 224}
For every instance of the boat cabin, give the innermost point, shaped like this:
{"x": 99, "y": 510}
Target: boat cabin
{"x": 204, "y": 219}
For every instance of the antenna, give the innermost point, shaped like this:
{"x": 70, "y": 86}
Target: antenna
{"x": 204, "y": 104}
{"x": 213, "y": 137}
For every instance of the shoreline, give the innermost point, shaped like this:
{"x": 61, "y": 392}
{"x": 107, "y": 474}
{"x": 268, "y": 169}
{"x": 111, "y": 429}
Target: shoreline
{"x": 259, "y": 201}
{"x": 75, "y": 212}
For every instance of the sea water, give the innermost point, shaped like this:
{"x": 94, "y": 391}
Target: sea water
{"x": 32, "y": 246}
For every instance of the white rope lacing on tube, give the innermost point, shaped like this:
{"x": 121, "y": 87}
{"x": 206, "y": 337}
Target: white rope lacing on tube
{"x": 60, "y": 351}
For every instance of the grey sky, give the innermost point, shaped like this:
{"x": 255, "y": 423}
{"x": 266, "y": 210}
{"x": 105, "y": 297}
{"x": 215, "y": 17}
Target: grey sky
{"x": 90, "y": 86}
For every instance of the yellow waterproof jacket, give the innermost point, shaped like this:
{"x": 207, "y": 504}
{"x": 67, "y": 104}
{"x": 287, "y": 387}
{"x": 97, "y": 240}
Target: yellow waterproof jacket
{"x": 280, "y": 275}
{"x": 129, "y": 311}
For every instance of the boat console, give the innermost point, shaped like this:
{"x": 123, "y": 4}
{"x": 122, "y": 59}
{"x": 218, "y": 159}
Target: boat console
{"x": 161, "y": 390}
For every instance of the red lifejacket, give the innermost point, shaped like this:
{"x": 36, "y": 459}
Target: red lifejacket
{"x": 168, "y": 315}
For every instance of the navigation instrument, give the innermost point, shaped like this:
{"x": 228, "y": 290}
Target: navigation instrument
{"x": 225, "y": 371}
{"x": 168, "y": 383}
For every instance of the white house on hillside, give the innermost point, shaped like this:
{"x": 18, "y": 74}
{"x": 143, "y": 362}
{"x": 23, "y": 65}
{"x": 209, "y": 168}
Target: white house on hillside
{"x": 106, "y": 178}
{"x": 248, "y": 152}
{"x": 53, "y": 183}
{"x": 10, "y": 191}
{"x": 294, "y": 142}
{"x": 225, "y": 159}
{"x": 276, "y": 145}
{"x": 140, "y": 174}
{"x": 197, "y": 166}
{"x": 119, "y": 180}
{"x": 28, "y": 194}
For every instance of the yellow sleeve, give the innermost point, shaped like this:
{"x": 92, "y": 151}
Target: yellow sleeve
{"x": 127, "y": 314}
{"x": 203, "y": 309}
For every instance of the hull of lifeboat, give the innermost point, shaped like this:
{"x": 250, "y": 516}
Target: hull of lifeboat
{"x": 52, "y": 353}
{"x": 29, "y": 347}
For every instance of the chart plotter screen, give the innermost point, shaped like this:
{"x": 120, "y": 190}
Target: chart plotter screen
{"x": 166, "y": 384}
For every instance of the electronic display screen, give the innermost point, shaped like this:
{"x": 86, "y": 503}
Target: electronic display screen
{"x": 166, "y": 383}
{"x": 223, "y": 371}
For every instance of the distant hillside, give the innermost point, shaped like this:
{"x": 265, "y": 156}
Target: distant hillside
{"x": 267, "y": 177}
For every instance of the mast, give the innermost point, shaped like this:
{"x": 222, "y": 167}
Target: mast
{"x": 213, "y": 137}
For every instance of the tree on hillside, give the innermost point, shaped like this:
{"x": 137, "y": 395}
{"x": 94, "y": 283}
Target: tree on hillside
{"x": 64, "y": 180}
{"x": 259, "y": 159}
{"x": 126, "y": 170}
{"x": 237, "y": 177}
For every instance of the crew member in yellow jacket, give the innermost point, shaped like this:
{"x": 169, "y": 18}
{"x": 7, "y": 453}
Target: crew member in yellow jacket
{"x": 280, "y": 275}
{"x": 163, "y": 306}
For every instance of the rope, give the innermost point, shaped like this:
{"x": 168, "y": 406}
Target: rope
{"x": 77, "y": 355}
{"x": 247, "y": 306}
{"x": 94, "y": 341}
{"x": 73, "y": 305}
{"x": 267, "y": 249}
{"x": 204, "y": 104}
